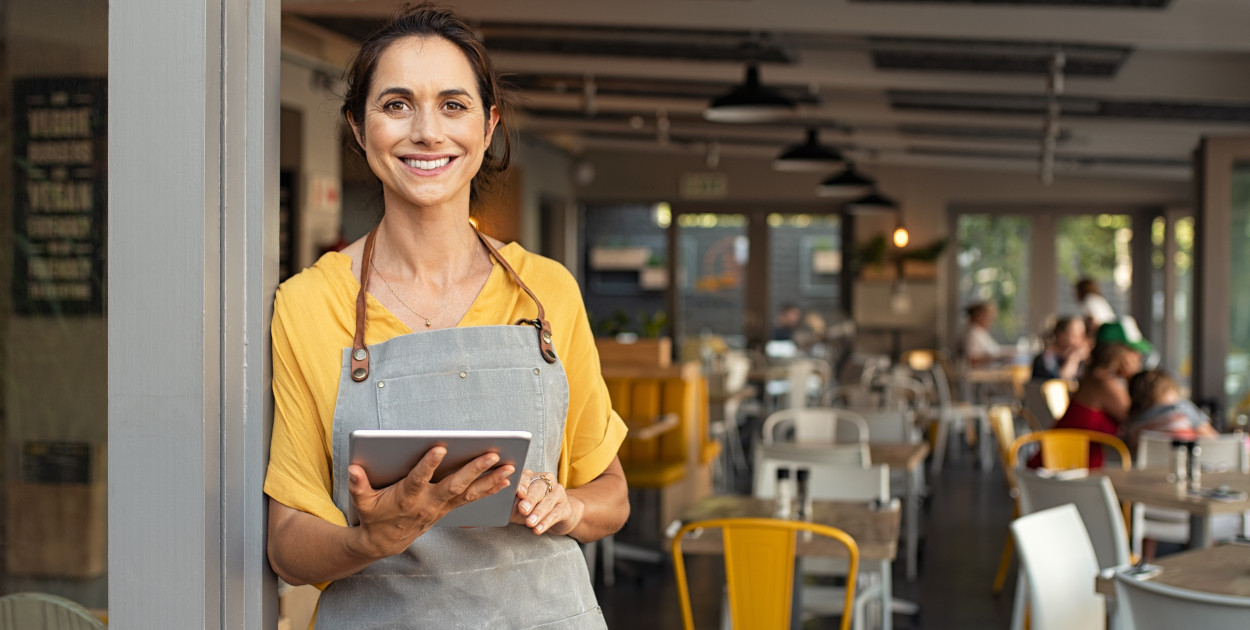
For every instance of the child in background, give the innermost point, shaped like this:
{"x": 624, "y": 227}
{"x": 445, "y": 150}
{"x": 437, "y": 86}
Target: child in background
{"x": 1157, "y": 406}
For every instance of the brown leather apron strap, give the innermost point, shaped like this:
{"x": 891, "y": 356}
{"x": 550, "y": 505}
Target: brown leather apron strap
{"x": 541, "y": 324}
{"x": 360, "y": 353}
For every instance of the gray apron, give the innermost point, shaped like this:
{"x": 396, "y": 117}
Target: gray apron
{"x": 503, "y": 377}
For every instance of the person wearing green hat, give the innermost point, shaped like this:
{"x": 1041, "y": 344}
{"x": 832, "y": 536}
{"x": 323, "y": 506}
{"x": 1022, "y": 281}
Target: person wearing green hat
{"x": 1124, "y": 331}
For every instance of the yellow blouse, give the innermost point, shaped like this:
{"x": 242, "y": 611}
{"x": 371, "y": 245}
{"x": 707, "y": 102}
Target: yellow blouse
{"x": 314, "y": 320}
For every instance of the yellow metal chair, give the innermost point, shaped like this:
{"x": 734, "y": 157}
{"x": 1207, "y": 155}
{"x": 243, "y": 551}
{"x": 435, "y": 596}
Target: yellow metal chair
{"x": 1065, "y": 449}
{"x": 1003, "y": 426}
{"x": 759, "y": 569}
{"x": 1057, "y": 393}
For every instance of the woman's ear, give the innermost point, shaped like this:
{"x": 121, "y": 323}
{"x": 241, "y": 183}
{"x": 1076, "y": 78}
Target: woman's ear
{"x": 491, "y": 121}
{"x": 356, "y": 131}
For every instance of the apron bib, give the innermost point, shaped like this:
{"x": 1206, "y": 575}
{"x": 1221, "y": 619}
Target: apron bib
{"x": 483, "y": 377}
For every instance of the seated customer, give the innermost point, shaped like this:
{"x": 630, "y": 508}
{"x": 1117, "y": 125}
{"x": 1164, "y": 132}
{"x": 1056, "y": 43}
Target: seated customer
{"x": 976, "y": 345}
{"x": 1101, "y": 400}
{"x": 1062, "y": 357}
{"x": 1158, "y": 407}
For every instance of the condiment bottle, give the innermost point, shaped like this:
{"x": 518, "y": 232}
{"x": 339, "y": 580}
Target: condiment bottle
{"x": 802, "y": 476}
{"x": 785, "y": 493}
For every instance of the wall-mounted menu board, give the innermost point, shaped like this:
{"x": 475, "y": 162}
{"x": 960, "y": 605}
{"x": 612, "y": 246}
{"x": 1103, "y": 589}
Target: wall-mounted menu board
{"x": 60, "y": 156}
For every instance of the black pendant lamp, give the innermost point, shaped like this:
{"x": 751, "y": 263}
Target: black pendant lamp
{"x": 870, "y": 203}
{"x": 848, "y": 183}
{"x": 811, "y": 155}
{"x": 749, "y": 102}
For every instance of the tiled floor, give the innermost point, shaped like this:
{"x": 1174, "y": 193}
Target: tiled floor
{"x": 965, "y": 525}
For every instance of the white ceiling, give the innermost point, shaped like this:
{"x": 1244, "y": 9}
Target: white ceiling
{"x": 1161, "y": 77}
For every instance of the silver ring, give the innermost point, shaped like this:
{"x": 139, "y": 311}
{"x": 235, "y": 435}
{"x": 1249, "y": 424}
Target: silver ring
{"x": 550, "y": 486}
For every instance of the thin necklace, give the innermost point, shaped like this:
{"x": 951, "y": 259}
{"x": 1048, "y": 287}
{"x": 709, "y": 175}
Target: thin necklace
{"x": 429, "y": 321}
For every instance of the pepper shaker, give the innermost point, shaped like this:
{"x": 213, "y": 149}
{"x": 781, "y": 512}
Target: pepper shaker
{"x": 802, "y": 481}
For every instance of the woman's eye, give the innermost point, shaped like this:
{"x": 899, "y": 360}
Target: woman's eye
{"x": 395, "y": 106}
{"x": 454, "y": 105}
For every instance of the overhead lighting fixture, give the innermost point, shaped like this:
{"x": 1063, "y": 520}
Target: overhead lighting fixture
{"x": 848, "y": 183}
{"x": 872, "y": 202}
{"x": 811, "y": 155}
{"x": 749, "y": 102}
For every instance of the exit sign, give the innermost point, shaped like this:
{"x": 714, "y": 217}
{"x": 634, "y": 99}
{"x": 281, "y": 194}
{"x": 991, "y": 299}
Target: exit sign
{"x": 703, "y": 186}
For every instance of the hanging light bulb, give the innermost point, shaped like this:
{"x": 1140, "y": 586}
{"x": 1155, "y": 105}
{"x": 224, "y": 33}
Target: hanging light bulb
{"x": 901, "y": 237}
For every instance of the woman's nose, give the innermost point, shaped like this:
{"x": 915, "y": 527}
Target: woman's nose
{"x": 427, "y": 128}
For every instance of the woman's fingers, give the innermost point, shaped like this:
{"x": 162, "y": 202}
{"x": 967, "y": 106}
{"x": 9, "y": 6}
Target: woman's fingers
{"x": 545, "y": 504}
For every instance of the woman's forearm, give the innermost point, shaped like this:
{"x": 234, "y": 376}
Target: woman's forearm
{"x": 304, "y": 549}
{"x": 605, "y": 504}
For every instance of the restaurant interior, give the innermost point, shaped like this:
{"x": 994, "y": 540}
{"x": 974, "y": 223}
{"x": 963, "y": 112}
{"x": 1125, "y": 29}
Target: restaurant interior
{"x": 783, "y": 216}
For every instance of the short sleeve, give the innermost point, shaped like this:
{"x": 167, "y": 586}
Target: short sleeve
{"x": 299, "y": 465}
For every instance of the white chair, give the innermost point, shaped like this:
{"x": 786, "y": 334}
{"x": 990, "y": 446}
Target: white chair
{"x": 856, "y": 455}
{"x": 1149, "y": 605}
{"x": 1154, "y": 450}
{"x": 43, "y": 611}
{"x": 1095, "y": 499}
{"x": 895, "y": 426}
{"x": 833, "y": 482}
{"x": 1059, "y": 563}
{"x": 817, "y": 425}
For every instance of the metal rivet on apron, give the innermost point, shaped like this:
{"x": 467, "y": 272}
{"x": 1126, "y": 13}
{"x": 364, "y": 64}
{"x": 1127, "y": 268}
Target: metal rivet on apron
{"x": 359, "y": 373}
{"x": 464, "y": 375}
{"x": 536, "y": 370}
{"x": 381, "y": 384}
{"x": 358, "y": 354}
{"x": 546, "y": 337}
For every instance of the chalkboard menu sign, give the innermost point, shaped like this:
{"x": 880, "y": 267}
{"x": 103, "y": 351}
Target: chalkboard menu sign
{"x": 60, "y": 155}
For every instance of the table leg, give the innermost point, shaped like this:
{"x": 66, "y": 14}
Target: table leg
{"x": 887, "y": 596}
{"x": 912, "y": 517}
{"x": 1199, "y": 531}
{"x": 985, "y": 454}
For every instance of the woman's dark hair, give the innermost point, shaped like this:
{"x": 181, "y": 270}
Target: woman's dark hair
{"x": 1109, "y": 355}
{"x": 428, "y": 20}
{"x": 1086, "y": 286}
{"x": 1063, "y": 324}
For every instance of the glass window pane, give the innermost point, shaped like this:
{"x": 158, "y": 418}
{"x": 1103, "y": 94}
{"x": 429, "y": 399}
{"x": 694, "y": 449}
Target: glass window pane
{"x": 1095, "y": 246}
{"x": 53, "y": 359}
{"x": 626, "y": 267}
{"x": 1237, "y": 377}
{"x": 1181, "y": 354}
{"x": 993, "y": 258}
{"x": 714, "y": 265}
{"x": 804, "y": 271}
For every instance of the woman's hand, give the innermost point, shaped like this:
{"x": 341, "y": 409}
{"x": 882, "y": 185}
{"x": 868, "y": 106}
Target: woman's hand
{"x": 394, "y": 516}
{"x": 543, "y": 505}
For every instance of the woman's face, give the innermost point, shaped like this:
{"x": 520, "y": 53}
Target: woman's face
{"x": 425, "y": 130}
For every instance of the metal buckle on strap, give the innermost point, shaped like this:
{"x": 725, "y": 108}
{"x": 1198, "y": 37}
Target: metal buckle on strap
{"x": 544, "y": 337}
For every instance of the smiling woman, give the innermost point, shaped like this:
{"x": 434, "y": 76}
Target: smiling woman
{"x": 488, "y": 353}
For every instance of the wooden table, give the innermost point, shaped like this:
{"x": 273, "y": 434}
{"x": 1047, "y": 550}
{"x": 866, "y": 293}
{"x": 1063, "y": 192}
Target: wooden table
{"x": 1151, "y": 486}
{"x": 1222, "y": 570}
{"x": 875, "y": 532}
{"x": 1014, "y": 375}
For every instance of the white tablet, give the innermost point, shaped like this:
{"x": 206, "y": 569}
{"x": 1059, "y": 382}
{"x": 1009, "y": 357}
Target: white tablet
{"x": 388, "y": 455}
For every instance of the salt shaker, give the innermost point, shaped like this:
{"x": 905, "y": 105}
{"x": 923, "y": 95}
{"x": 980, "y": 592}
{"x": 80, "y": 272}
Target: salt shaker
{"x": 785, "y": 493}
{"x": 802, "y": 476}
{"x": 1194, "y": 475}
{"x": 1179, "y": 461}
